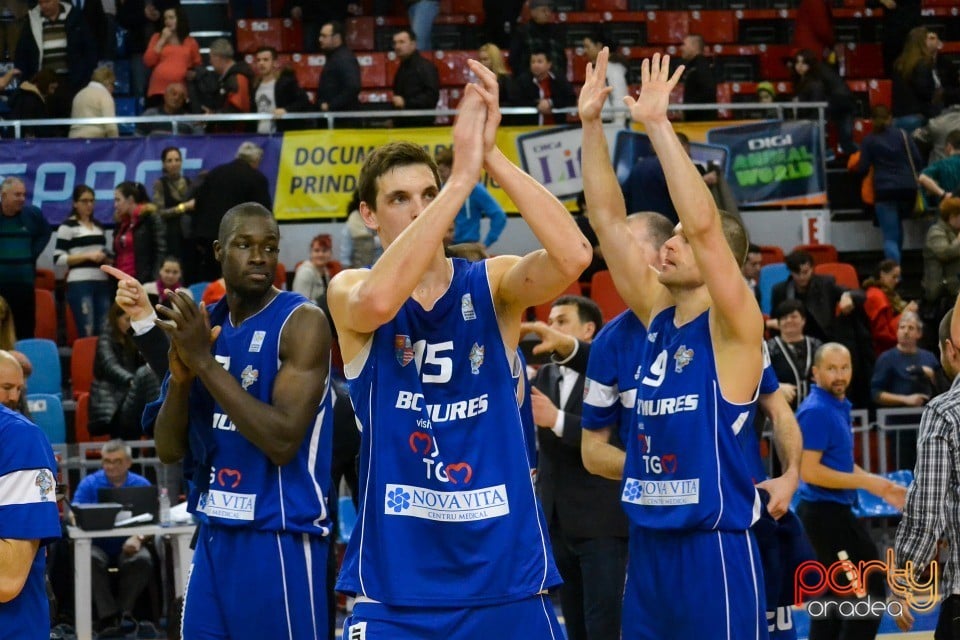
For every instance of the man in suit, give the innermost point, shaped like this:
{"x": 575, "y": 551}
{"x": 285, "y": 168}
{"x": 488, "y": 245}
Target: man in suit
{"x": 588, "y": 529}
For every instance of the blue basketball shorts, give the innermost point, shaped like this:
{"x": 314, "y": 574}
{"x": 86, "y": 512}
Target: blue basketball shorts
{"x": 706, "y": 585}
{"x": 256, "y": 584}
{"x": 529, "y": 619}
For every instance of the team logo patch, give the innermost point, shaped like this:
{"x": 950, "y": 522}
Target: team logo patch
{"x": 652, "y": 336}
{"x": 248, "y": 376}
{"x": 257, "y": 341}
{"x": 403, "y": 349}
{"x": 466, "y": 307}
{"x": 44, "y": 483}
{"x": 683, "y": 357}
{"x": 476, "y": 358}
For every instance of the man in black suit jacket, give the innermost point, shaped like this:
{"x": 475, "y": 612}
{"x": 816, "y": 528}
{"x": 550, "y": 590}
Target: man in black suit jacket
{"x": 541, "y": 87}
{"x": 588, "y": 529}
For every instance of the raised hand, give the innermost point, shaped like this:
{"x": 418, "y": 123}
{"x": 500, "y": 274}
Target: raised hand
{"x": 654, "y": 99}
{"x": 490, "y": 92}
{"x": 593, "y": 95}
{"x": 130, "y": 296}
{"x": 468, "y": 135}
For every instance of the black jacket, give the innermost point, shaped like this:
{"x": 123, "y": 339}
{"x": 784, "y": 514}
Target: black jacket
{"x": 340, "y": 81}
{"x": 418, "y": 83}
{"x": 699, "y": 87}
{"x": 287, "y": 94}
{"x": 527, "y": 94}
{"x": 225, "y": 187}
{"x": 916, "y": 94}
{"x": 81, "y": 48}
{"x": 538, "y": 37}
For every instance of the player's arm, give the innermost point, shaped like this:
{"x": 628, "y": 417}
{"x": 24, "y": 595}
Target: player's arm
{"x": 599, "y": 456}
{"x": 361, "y": 300}
{"x": 16, "y": 558}
{"x": 789, "y": 445}
{"x": 634, "y": 280}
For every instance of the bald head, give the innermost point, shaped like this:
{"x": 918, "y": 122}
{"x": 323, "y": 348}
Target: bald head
{"x": 832, "y": 369}
{"x": 829, "y": 349}
{"x": 11, "y": 381}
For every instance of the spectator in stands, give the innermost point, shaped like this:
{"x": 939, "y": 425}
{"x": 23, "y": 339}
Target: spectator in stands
{"x": 893, "y": 156}
{"x": 540, "y": 34}
{"x": 897, "y": 19}
{"x": 490, "y": 56}
{"x": 173, "y": 198}
{"x": 791, "y": 353}
{"x": 339, "y": 88}
{"x": 34, "y": 100}
{"x": 233, "y": 93}
{"x": 99, "y": 24}
{"x": 96, "y": 101}
{"x": 883, "y": 305}
{"x": 81, "y": 248}
{"x": 480, "y": 204}
{"x": 751, "y": 268}
{"x": 941, "y": 260}
{"x": 699, "y": 81}
{"x": 14, "y": 14}
{"x": 313, "y": 14}
{"x": 540, "y": 87}
{"x": 277, "y": 92}
{"x": 313, "y": 275}
{"x": 174, "y": 104}
{"x": 616, "y": 72}
{"x": 917, "y": 92}
{"x": 226, "y": 186}
{"x": 934, "y": 135}
{"x": 56, "y": 37}
{"x": 8, "y": 331}
{"x": 422, "y": 13}
{"x": 821, "y": 295}
{"x": 906, "y": 376}
{"x": 417, "y": 83}
{"x": 942, "y": 178}
{"x": 813, "y": 28}
{"x": 24, "y": 234}
{"x": 171, "y": 278}
{"x": 122, "y": 383}
{"x": 138, "y": 27}
{"x": 12, "y": 379}
{"x": 133, "y": 559}
{"x": 171, "y": 55}
{"x": 139, "y": 238}
{"x": 359, "y": 244}
{"x": 646, "y": 186}
{"x": 214, "y": 292}
{"x": 814, "y": 81}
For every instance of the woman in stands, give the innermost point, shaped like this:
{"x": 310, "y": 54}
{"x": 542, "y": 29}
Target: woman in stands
{"x": 81, "y": 248}
{"x": 490, "y": 56}
{"x": 817, "y": 82}
{"x": 122, "y": 383}
{"x": 139, "y": 238}
{"x": 884, "y": 305}
{"x": 173, "y": 198}
{"x": 917, "y": 92}
{"x": 171, "y": 54}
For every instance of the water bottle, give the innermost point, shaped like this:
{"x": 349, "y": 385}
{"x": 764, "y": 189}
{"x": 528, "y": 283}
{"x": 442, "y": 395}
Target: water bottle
{"x": 165, "y": 519}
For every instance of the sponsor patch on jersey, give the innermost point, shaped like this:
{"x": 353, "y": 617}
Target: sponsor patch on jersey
{"x": 248, "y": 376}
{"x": 446, "y": 506}
{"x": 652, "y": 336}
{"x": 228, "y": 505}
{"x": 357, "y": 631}
{"x": 403, "y": 349}
{"x": 257, "y": 341}
{"x": 476, "y": 358}
{"x": 683, "y": 357}
{"x": 661, "y": 493}
{"x": 466, "y": 307}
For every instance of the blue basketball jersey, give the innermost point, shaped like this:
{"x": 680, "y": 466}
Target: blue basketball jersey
{"x": 447, "y": 515}
{"x": 685, "y": 437}
{"x": 613, "y": 372}
{"x": 244, "y": 488}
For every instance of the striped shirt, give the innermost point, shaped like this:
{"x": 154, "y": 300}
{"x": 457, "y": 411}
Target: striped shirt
{"x": 55, "y": 44}
{"x": 933, "y": 500}
{"x": 74, "y": 238}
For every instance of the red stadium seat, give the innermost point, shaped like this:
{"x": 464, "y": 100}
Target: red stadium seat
{"x": 668, "y": 27}
{"x": 360, "y": 33}
{"x": 373, "y": 70}
{"x": 46, "y": 315}
{"x": 45, "y": 279}
{"x": 605, "y": 295}
{"x": 252, "y": 34}
{"x": 541, "y": 312}
{"x": 863, "y": 60}
{"x": 308, "y": 67}
{"x": 452, "y": 67}
{"x": 773, "y": 59}
{"x": 81, "y": 364}
{"x": 718, "y": 27}
{"x": 843, "y": 273}
{"x": 291, "y": 35}
{"x": 770, "y": 254}
{"x": 821, "y": 253}
{"x": 607, "y": 5}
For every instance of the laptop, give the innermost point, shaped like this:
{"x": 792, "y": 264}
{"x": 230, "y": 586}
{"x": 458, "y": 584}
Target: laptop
{"x": 137, "y": 500}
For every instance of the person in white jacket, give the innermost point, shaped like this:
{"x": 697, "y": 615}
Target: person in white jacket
{"x": 96, "y": 101}
{"x": 616, "y": 75}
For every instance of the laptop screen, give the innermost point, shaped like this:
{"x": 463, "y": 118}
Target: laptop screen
{"x": 137, "y": 499}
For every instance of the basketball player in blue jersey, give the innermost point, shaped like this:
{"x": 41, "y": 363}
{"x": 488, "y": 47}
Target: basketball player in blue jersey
{"x": 449, "y": 541}
{"x": 687, "y": 490}
{"x": 260, "y": 405}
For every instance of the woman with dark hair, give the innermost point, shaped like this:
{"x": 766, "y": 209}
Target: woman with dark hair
{"x": 917, "y": 91}
{"x": 81, "y": 248}
{"x": 174, "y": 200}
{"x": 139, "y": 238}
{"x": 171, "y": 54}
{"x": 896, "y": 161}
{"x": 884, "y": 305}
{"x": 816, "y": 82}
{"x": 122, "y": 383}
{"x": 34, "y": 100}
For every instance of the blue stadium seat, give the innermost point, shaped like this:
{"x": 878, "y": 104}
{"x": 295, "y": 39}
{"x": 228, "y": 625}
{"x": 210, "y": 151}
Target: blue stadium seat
{"x": 346, "y": 518}
{"x": 197, "y": 289}
{"x": 127, "y": 107}
{"x": 47, "y": 413}
{"x": 43, "y": 355}
{"x": 871, "y": 506}
{"x": 770, "y": 274}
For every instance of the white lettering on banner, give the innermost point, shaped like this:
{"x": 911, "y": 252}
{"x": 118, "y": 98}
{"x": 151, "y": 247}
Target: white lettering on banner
{"x": 227, "y": 505}
{"x": 661, "y": 493}
{"x": 446, "y": 506}
{"x": 770, "y": 142}
{"x": 459, "y": 410}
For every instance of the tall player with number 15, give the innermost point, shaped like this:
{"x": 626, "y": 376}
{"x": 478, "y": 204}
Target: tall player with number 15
{"x": 450, "y": 541}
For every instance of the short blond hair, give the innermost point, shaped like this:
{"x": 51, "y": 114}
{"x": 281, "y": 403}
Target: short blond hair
{"x": 104, "y": 75}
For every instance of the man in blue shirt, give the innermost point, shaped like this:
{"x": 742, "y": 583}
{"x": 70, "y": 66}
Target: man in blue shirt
{"x": 130, "y": 556}
{"x": 830, "y": 479}
{"x": 479, "y": 204}
{"x": 28, "y": 519}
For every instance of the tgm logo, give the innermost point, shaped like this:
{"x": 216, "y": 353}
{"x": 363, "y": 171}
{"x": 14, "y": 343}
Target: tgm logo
{"x": 656, "y": 464}
{"x": 229, "y": 478}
